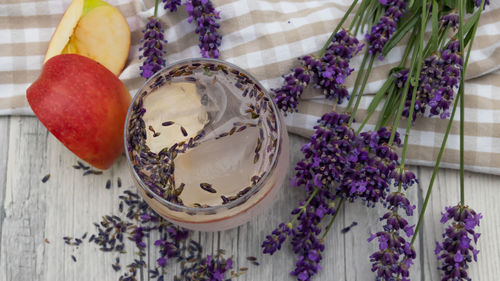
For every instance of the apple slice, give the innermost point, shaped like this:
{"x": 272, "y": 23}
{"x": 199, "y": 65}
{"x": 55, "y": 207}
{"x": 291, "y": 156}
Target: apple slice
{"x": 83, "y": 105}
{"x": 94, "y": 29}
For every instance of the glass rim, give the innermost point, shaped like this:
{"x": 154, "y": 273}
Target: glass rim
{"x": 209, "y": 210}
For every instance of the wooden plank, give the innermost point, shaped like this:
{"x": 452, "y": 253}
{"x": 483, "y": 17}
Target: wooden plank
{"x": 23, "y": 224}
{"x": 482, "y": 195}
{"x": 65, "y": 205}
{"x": 4, "y": 156}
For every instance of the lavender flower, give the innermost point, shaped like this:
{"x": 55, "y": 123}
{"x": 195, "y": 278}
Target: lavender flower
{"x": 306, "y": 243}
{"x": 477, "y": 3}
{"x": 327, "y": 73}
{"x": 274, "y": 241}
{"x": 211, "y": 268}
{"x": 404, "y": 177}
{"x": 305, "y": 240}
{"x": 440, "y": 75}
{"x": 152, "y": 48}
{"x": 171, "y": 5}
{"x": 287, "y": 97}
{"x": 450, "y": 20}
{"x": 335, "y": 66}
{"x": 169, "y": 244}
{"x": 383, "y": 30}
{"x": 395, "y": 255}
{"x": 206, "y": 17}
{"x": 326, "y": 154}
{"x": 456, "y": 251}
{"x": 337, "y": 163}
{"x": 360, "y": 165}
{"x": 371, "y": 164}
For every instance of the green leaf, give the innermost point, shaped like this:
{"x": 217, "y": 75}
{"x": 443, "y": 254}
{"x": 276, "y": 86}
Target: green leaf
{"x": 395, "y": 70}
{"x": 380, "y": 94}
{"x": 415, "y": 6}
{"x": 470, "y": 6}
{"x": 400, "y": 33}
{"x": 411, "y": 3}
{"x": 435, "y": 26}
{"x": 468, "y": 26}
{"x": 452, "y": 4}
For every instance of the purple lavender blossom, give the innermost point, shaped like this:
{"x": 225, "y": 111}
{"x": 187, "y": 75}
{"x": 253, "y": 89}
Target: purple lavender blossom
{"x": 395, "y": 255}
{"x": 371, "y": 163}
{"x": 450, "y": 20}
{"x": 306, "y": 242}
{"x": 214, "y": 268}
{"x": 383, "y": 30}
{"x": 167, "y": 251}
{"x": 335, "y": 66}
{"x": 327, "y": 73}
{"x": 404, "y": 177}
{"x": 337, "y": 163}
{"x": 138, "y": 234}
{"x": 477, "y": 3}
{"x": 456, "y": 251}
{"x": 206, "y": 18}
{"x": 360, "y": 165}
{"x": 326, "y": 154}
{"x": 152, "y": 48}
{"x": 439, "y": 77}
{"x": 171, "y": 5}
{"x": 287, "y": 97}
{"x": 274, "y": 241}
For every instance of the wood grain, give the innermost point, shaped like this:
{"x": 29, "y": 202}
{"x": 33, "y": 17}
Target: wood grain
{"x": 4, "y": 156}
{"x": 69, "y": 203}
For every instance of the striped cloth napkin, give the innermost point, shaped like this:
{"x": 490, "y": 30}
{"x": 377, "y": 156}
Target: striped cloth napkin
{"x": 265, "y": 37}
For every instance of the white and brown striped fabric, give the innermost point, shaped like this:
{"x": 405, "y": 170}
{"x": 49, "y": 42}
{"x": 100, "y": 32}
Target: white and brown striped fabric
{"x": 265, "y": 37}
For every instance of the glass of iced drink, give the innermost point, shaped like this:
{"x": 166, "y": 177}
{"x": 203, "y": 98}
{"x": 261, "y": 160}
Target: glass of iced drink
{"x": 206, "y": 145}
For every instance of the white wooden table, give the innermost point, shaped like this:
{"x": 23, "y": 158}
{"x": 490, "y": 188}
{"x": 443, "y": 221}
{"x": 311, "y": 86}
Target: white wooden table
{"x": 68, "y": 204}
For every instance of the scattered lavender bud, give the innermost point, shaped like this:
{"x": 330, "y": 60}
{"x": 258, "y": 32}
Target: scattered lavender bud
{"x": 207, "y": 187}
{"x": 348, "y": 228}
{"x": 167, "y": 123}
{"x": 45, "y": 178}
{"x": 184, "y": 132}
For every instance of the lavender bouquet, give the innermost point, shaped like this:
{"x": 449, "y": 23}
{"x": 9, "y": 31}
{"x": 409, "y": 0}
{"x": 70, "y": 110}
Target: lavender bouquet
{"x": 342, "y": 164}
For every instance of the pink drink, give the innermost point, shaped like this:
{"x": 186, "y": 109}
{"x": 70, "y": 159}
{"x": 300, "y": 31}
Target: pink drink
{"x": 206, "y": 145}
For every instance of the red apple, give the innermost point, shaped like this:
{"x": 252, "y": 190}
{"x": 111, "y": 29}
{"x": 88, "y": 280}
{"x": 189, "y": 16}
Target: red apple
{"x": 83, "y": 105}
